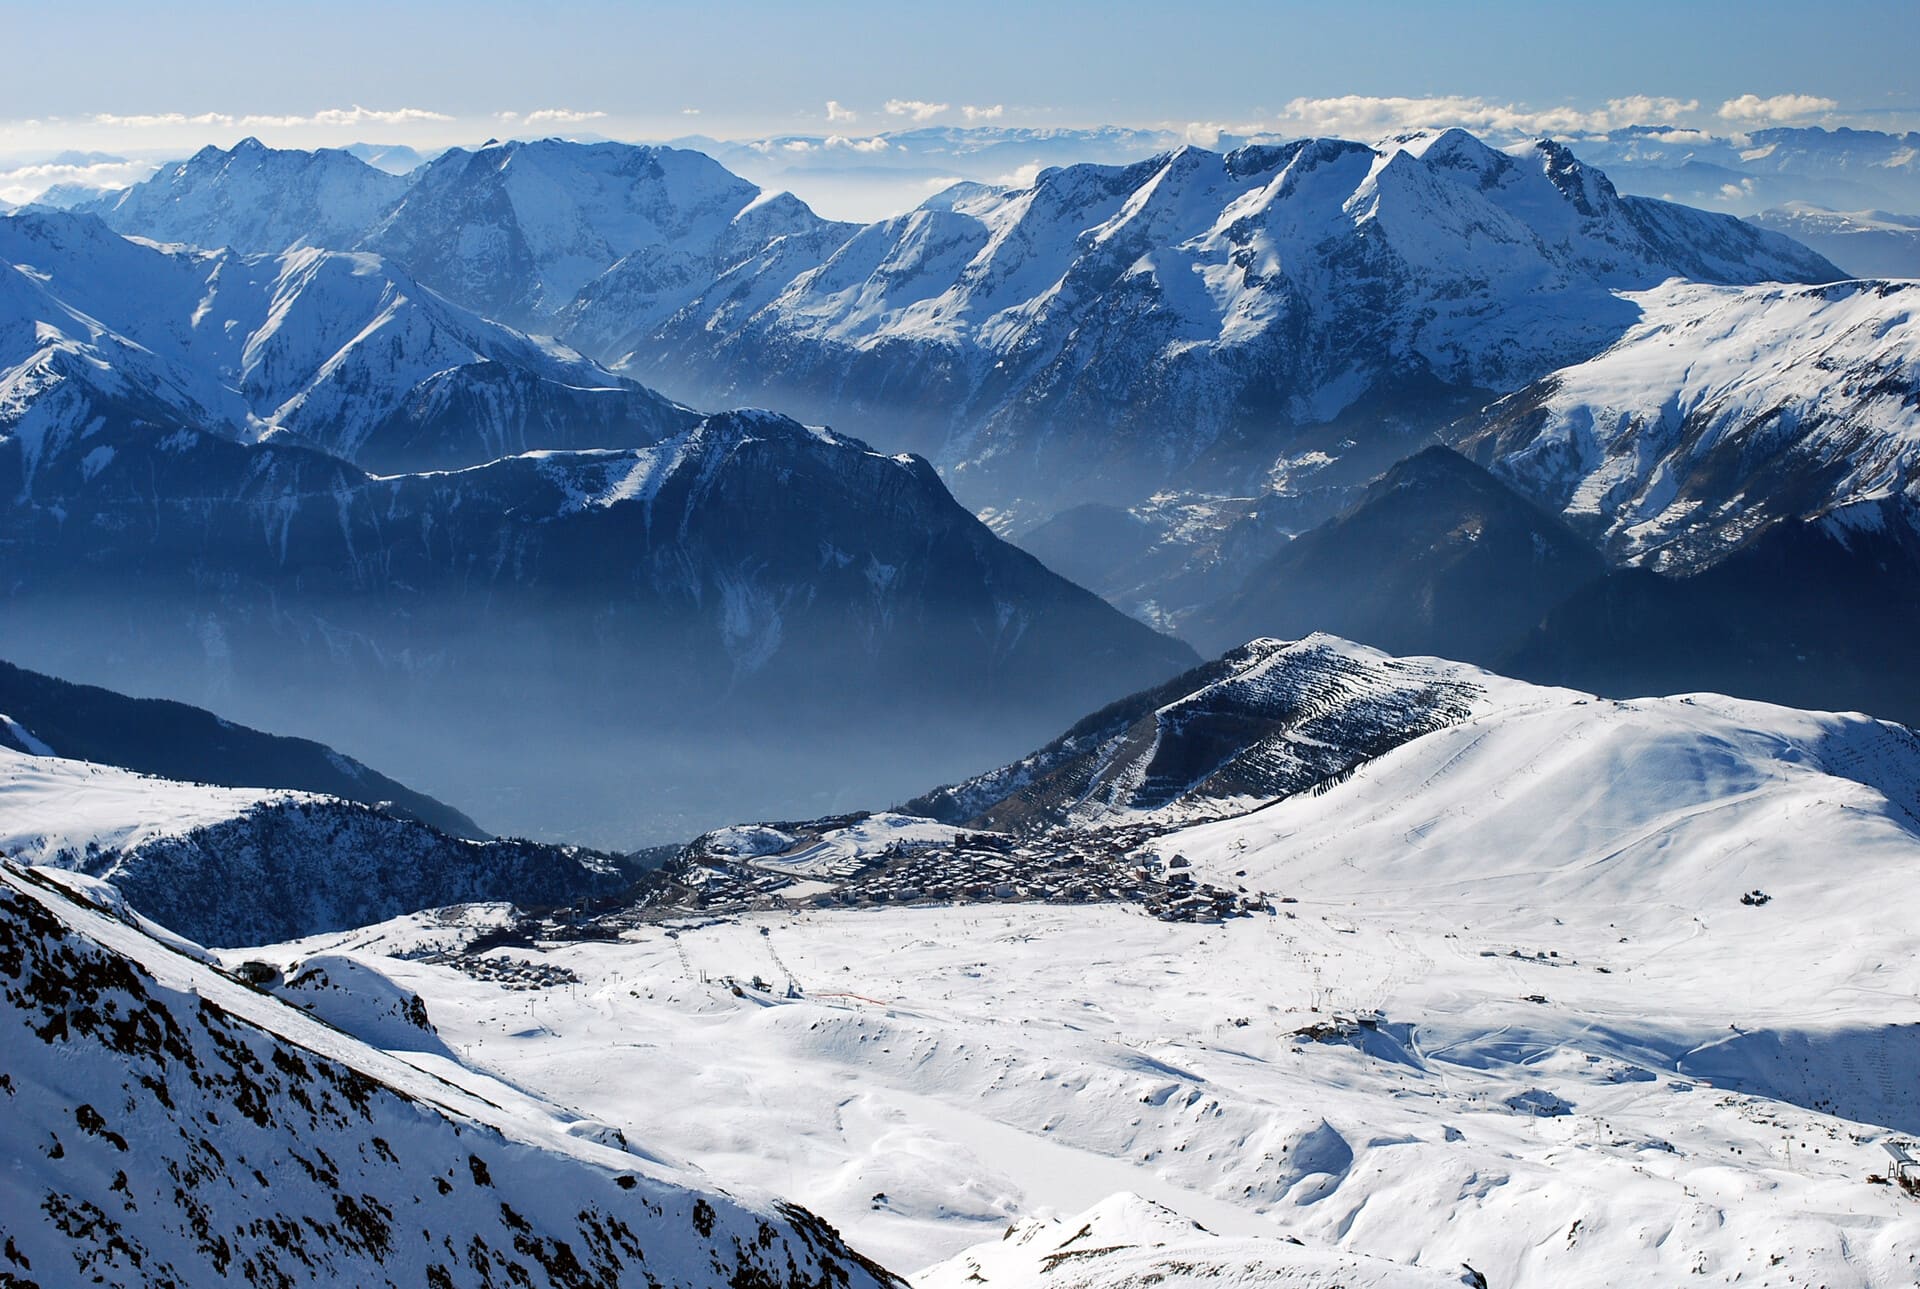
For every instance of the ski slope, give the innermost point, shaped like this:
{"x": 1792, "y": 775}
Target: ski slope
{"x": 1509, "y": 1012}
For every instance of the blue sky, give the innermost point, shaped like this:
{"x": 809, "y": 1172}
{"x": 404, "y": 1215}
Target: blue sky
{"x": 141, "y": 78}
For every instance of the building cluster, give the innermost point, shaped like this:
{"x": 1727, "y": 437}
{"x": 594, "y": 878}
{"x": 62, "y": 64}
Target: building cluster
{"x": 1106, "y": 866}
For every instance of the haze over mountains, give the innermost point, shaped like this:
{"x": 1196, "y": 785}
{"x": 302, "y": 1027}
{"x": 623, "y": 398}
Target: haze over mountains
{"x": 1190, "y": 378}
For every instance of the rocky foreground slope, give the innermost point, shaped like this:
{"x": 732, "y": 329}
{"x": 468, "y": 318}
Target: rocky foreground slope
{"x": 166, "y": 1124}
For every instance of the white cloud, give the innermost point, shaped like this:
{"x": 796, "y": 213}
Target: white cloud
{"x": 333, "y": 116}
{"x": 993, "y": 113}
{"x": 561, "y": 116}
{"x": 153, "y": 120}
{"x": 337, "y": 116}
{"x": 797, "y": 145}
{"x": 836, "y": 111}
{"x": 1642, "y": 109}
{"x": 689, "y": 111}
{"x": 918, "y": 109}
{"x": 1781, "y": 107}
{"x": 1204, "y": 134}
{"x": 1021, "y": 178}
{"x": 875, "y": 144}
{"x": 1366, "y": 116}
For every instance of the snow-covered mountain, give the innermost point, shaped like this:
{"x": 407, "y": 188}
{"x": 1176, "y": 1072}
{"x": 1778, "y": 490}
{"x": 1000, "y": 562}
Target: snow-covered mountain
{"x": 394, "y": 158}
{"x": 245, "y": 865}
{"x": 1200, "y": 313}
{"x": 1720, "y": 413}
{"x": 1567, "y": 992}
{"x": 537, "y": 222}
{"x": 48, "y": 717}
{"x": 1264, "y": 721}
{"x": 167, "y": 1124}
{"x": 254, "y": 198}
{"x": 515, "y": 231}
{"x": 584, "y": 631}
{"x": 344, "y": 351}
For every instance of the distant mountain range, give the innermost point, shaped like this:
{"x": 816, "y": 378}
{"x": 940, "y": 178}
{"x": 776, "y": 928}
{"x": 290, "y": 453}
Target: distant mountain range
{"x": 1204, "y": 321}
{"x": 1867, "y": 243}
{"x": 1843, "y": 169}
{"x": 1209, "y": 385}
{"x": 344, "y": 352}
{"x": 1197, "y": 318}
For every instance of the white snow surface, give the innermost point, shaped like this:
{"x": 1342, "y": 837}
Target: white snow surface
{"x": 53, "y": 809}
{"x": 1586, "y": 1061}
{"x": 326, "y": 347}
{"x": 24, "y": 737}
{"x": 1657, "y": 441}
{"x": 1127, "y": 1241}
{"x": 147, "y": 1093}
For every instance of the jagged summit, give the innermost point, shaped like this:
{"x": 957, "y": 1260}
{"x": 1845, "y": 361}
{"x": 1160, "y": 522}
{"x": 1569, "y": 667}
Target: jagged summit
{"x": 544, "y": 219}
{"x": 251, "y": 197}
{"x": 1195, "y": 310}
{"x": 342, "y": 350}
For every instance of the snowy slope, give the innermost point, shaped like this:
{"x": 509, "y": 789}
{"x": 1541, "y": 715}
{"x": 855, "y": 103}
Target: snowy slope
{"x": 345, "y": 351}
{"x": 1721, "y": 412}
{"x": 1135, "y": 318}
{"x": 237, "y": 865}
{"x": 1584, "y": 1060}
{"x": 166, "y": 1124}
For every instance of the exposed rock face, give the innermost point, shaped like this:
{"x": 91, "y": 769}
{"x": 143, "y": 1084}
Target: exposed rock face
{"x": 1267, "y": 720}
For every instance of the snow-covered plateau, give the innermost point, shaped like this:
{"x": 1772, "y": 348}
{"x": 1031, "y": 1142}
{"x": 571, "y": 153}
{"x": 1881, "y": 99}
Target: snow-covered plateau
{"x": 1566, "y": 991}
